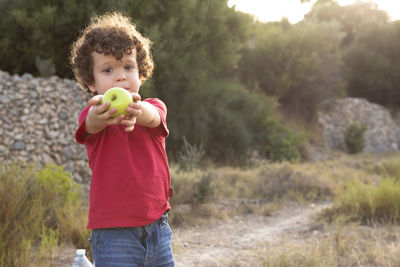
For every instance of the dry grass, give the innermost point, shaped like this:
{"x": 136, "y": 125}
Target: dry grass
{"x": 340, "y": 239}
{"x": 249, "y": 190}
{"x": 35, "y": 224}
{"x": 40, "y": 210}
{"x": 336, "y": 245}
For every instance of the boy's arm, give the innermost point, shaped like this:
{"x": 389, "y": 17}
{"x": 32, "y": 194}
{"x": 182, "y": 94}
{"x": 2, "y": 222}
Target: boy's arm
{"x": 143, "y": 113}
{"x": 99, "y": 117}
{"x": 149, "y": 116}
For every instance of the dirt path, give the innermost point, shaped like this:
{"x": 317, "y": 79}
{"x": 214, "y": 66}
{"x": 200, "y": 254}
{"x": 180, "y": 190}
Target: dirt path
{"x": 238, "y": 240}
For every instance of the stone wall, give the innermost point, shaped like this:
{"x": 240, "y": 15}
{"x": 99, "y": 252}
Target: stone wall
{"x": 382, "y": 133}
{"x": 38, "y": 119}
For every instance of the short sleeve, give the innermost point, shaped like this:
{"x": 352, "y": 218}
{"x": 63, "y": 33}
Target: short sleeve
{"x": 161, "y": 130}
{"x": 80, "y": 134}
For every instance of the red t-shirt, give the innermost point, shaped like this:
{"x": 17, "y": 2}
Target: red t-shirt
{"x": 130, "y": 183}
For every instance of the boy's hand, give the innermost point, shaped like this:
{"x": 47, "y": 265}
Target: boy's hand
{"x": 134, "y": 110}
{"x": 100, "y": 116}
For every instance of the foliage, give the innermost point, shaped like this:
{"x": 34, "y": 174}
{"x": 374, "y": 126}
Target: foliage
{"x": 32, "y": 203}
{"x": 299, "y": 64}
{"x": 370, "y": 53}
{"x": 368, "y": 203}
{"x": 44, "y": 29}
{"x": 354, "y": 138}
{"x": 220, "y": 73}
{"x": 284, "y": 145}
{"x": 196, "y": 50}
{"x": 354, "y": 19}
{"x": 372, "y": 64}
{"x": 195, "y": 77}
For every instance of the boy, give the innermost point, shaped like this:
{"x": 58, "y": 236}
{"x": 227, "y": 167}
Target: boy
{"x": 130, "y": 184}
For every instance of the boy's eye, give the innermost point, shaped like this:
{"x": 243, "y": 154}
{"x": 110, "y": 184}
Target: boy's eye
{"x": 107, "y": 70}
{"x": 129, "y": 67}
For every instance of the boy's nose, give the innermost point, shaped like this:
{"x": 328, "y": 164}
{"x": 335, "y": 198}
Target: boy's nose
{"x": 121, "y": 76}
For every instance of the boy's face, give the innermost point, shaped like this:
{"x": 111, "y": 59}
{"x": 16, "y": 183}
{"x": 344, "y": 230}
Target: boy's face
{"x": 109, "y": 72}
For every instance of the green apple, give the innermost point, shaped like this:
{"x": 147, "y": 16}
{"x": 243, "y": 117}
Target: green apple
{"x": 119, "y": 98}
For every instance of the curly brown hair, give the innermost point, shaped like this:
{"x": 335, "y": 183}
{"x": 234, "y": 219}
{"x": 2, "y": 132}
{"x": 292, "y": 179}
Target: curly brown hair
{"x": 109, "y": 34}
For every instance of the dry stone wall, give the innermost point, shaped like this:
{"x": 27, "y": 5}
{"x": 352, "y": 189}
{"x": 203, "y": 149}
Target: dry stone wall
{"x": 382, "y": 133}
{"x": 39, "y": 116}
{"x": 38, "y": 120}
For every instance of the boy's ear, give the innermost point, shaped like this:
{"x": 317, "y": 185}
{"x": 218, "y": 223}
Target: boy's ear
{"x": 141, "y": 79}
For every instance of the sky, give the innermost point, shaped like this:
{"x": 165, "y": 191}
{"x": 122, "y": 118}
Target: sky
{"x": 294, "y": 10}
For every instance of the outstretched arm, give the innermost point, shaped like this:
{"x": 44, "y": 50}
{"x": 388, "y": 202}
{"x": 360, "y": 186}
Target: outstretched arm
{"x": 144, "y": 113}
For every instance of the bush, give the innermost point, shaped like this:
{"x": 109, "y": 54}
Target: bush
{"x": 284, "y": 181}
{"x": 354, "y": 138}
{"x": 192, "y": 188}
{"x": 203, "y": 189}
{"x": 368, "y": 203}
{"x": 40, "y": 208}
{"x": 190, "y": 156}
{"x": 284, "y": 145}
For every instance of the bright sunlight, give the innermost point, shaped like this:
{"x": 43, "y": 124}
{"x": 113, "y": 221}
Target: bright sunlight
{"x": 294, "y": 10}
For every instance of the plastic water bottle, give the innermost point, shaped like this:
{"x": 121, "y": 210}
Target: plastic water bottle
{"x": 81, "y": 260}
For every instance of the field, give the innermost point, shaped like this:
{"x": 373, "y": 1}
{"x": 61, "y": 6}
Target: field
{"x": 341, "y": 210}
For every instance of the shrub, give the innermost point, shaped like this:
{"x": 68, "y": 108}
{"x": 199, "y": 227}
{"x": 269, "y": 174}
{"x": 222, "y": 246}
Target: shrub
{"x": 39, "y": 207}
{"x": 275, "y": 182}
{"x": 354, "y": 138}
{"x": 368, "y": 203}
{"x": 190, "y": 156}
{"x": 203, "y": 189}
{"x": 193, "y": 187}
{"x": 284, "y": 145}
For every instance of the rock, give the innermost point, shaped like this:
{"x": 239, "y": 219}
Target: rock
{"x": 62, "y": 116}
{"x": 38, "y": 120}
{"x": 18, "y": 145}
{"x": 14, "y": 112}
{"x": 335, "y": 116}
{"x": 3, "y": 149}
{"x": 4, "y": 99}
{"x": 68, "y": 152}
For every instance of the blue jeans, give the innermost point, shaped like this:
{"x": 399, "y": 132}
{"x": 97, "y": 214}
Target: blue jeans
{"x": 149, "y": 245}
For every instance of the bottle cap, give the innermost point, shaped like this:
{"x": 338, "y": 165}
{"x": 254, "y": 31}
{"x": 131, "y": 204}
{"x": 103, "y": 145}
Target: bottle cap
{"x": 80, "y": 252}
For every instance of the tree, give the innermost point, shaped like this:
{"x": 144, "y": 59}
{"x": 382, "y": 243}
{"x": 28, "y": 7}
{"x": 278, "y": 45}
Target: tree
{"x": 352, "y": 18}
{"x": 44, "y": 30}
{"x": 373, "y": 65}
{"x": 298, "y": 64}
{"x": 196, "y": 50}
{"x": 370, "y": 53}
